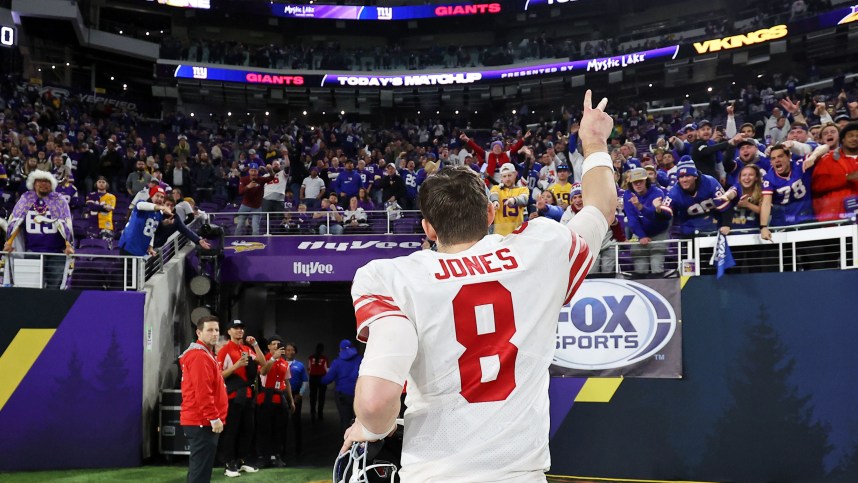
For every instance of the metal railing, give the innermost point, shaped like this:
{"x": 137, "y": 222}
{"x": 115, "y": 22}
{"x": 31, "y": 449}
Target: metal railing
{"x": 88, "y": 271}
{"x": 831, "y": 245}
{"x": 85, "y": 271}
{"x": 810, "y": 246}
{"x": 240, "y": 223}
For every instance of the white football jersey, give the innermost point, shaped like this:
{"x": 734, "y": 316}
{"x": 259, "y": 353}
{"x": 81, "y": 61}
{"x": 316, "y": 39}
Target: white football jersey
{"x": 485, "y": 319}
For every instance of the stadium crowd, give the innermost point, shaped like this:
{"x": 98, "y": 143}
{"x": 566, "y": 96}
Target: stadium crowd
{"x": 749, "y": 166}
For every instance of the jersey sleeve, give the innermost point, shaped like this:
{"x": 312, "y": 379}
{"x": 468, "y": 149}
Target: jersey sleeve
{"x": 587, "y": 230}
{"x": 372, "y": 300}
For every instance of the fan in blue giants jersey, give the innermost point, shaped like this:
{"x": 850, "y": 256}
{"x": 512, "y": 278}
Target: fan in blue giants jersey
{"x": 139, "y": 233}
{"x": 695, "y": 202}
{"x": 786, "y": 192}
{"x": 749, "y": 154}
{"x": 528, "y": 172}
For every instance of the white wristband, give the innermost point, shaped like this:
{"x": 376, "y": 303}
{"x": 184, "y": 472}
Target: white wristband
{"x": 595, "y": 160}
{"x": 370, "y": 436}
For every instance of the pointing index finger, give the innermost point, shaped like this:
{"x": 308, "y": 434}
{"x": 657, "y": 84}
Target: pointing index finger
{"x": 588, "y": 100}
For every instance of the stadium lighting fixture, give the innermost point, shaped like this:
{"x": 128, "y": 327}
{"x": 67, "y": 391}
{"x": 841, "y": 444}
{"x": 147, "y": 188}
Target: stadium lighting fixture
{"x": 418, "y": 113}
{"x": 293, "y": 298}
{"x": 759, "y": 76}
{"x": 686, "y": 95}
{"x": 248, "y": 113}
{"x": 111, "y": 77}
{"x": 229, "y": 113}
{"x": 650, "y": 84}
{"x": 709, "y": 89}
{"x": 437, "y": 112}
{"x": 120, "y": 32}
{"x": 162, "y": 31}
{"x": 266, "y": 113}
{"x": 305, "y": 113}
{"x": 53, "y": 67}
{"x": 147, "y": 34}
{"x": 201, "y": 285}
{"x": 192, "y": 114}
{"x": 323, "y": 113}
{"x": 513, "y": 112}
{"x": 457, "y": 112}
{"x": 124, "y": 87}
{"x": 40, "y": 69}
{"x": 342, "y": 113}
{"x": 475, "y": 112}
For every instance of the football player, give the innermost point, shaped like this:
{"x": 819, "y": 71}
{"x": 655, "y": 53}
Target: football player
{"x": 463, "y": 327}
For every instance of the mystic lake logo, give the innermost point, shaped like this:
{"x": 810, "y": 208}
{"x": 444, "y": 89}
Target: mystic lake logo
{"x": 611, "y": 324}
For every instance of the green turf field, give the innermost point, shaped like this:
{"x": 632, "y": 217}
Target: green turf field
{"x": 175, "y": 474}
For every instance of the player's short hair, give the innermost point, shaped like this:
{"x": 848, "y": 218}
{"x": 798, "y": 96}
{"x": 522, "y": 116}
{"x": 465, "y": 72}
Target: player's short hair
{"x": 201, "y": 324}
{"x": 780, "y": 147}
{"x": 454, "y": 202}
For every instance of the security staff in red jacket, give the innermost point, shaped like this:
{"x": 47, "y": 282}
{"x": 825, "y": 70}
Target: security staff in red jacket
{"x": 204, "y": 402}
{"x": 275, "y": 404}
{"x": 239, "y": 362}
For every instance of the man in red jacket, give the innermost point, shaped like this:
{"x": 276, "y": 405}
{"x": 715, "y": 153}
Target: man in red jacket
{"x": 835, "y": 178}
{"x": 497, "y": 157}
{"x": 204, "y": 402}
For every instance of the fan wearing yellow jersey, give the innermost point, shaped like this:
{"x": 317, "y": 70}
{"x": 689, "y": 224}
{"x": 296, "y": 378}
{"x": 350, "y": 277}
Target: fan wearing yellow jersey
{"x": 510, "y": 201}
{"x": 562, "y": 189}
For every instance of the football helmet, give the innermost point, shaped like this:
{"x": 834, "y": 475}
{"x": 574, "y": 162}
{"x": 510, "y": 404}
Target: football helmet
{"x": 373, "y": 462}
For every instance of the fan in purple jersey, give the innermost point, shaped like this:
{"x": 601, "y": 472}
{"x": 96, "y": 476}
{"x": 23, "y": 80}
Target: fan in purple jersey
{"x": 786, "y": 191}
{"x": 41, "y": 223}
{"x": 69, "y": 192}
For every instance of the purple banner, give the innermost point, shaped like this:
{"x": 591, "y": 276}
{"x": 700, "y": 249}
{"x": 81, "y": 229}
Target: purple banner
{"x": 72, "y": 398}
{"x": 458, "y": 78}
{"x": 309, "y": 258}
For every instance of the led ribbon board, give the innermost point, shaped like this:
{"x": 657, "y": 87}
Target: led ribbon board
{"x": 618, "y": 62}
{"x": 345, "y": 12}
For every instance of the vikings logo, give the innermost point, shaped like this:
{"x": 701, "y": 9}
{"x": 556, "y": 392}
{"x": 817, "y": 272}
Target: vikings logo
{"x": 244, "y": 246}
{"x": 852, "y": 17}
{"x": 43, "y": 215}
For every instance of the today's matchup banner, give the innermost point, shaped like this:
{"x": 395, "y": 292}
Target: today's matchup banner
{"x": 602, "y": 64}
{"x": 309, "y": 258}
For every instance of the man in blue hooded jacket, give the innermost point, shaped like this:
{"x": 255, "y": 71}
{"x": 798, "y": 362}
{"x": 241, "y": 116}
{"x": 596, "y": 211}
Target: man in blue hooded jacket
{"x": 344, "y": 370}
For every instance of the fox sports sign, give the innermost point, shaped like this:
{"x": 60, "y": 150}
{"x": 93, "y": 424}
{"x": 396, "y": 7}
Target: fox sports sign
{"x": 611, "y": 324}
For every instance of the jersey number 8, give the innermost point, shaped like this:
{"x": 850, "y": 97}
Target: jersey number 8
{"x": 150, "y": 227}
{"x": 490, "y": 344}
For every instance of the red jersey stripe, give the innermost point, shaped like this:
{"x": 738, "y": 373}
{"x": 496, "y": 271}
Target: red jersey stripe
{"x": 370, "y": 297}
{"x": 581, "y": 259}
{"x": 374, "y": 309}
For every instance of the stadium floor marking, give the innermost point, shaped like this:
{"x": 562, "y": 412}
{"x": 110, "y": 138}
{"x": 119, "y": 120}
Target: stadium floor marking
{"x": 591, "y": 478}
{"x": 19, "y": 357}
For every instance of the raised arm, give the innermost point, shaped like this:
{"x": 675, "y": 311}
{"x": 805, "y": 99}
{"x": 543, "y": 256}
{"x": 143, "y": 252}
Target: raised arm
{"x": 597, "y": 181}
